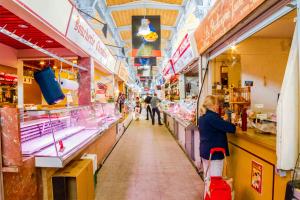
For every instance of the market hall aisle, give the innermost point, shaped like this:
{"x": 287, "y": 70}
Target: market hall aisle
{"x": 147, "y": 163}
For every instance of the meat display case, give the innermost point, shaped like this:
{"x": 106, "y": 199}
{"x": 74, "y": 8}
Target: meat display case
{"x": 56, "y": 136}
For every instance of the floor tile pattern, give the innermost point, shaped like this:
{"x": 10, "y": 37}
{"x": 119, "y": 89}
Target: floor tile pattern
{"x": 147, "y": 164}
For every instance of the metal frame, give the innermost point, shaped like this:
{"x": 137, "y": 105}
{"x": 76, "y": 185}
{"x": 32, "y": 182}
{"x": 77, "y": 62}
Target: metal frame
{"x": 40, "y": 49}
{"x": 145, "y": 4}
{"x": 163, "y": 27}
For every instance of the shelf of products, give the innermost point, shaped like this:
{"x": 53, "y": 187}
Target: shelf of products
{"x": 55, "y": 136}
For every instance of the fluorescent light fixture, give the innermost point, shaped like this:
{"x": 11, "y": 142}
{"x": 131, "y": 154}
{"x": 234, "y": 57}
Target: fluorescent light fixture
{"x": 22, "y": 26}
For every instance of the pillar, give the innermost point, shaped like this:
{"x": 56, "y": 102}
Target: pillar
{"x": 20, "y": 84}
{"x": 86, "y": 81}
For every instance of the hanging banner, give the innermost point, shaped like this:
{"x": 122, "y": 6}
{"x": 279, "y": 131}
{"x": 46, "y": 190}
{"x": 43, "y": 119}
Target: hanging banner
{"x": 123, "y": 73}
{"x": 146, "y": 36}
{"x": 144, "y": 61}
{"x": 168, "y": 68}
{"x": 183, "y": 55}
{"x": 222, "y": 17}
{"x": 84, "y": 36}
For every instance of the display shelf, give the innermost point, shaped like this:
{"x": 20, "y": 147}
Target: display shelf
{"x": 40, "y": 121}
{"x": 39, "y": 143}
{"x": 53, "y": 137}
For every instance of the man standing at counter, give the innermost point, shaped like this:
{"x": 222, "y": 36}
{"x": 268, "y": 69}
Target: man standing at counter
{"x": 148, "y": 101}
{"x": 154, "y": 105}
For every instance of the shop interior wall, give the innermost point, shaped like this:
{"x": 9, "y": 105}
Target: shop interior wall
{"x": 234, "y": 69}
{"x": 32, "y": 93}
{"x": 8, "y": 56}
{"x": 263, "y": 61}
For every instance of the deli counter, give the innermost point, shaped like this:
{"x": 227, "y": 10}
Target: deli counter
{"x": 179, "y": 118}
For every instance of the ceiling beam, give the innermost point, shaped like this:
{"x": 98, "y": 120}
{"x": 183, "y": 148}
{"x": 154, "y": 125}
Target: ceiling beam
{"x": 128, "y": 28}
{"x": 145, "y": 4}
{"x": 101, "y": 8}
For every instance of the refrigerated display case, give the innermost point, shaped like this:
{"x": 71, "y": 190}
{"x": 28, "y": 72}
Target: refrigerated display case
{"x": 56, "y": 136}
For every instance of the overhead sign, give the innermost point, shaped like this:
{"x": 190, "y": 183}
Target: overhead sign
{"x": 183, "y": 55}
{"x": 54, "y": 12}
{"x": 222, "y": 17}
{"x": 146, "y": 36}
{"x": 168, "y": 68}
{"x": 123, "y": 73}
{"x": 139, "y": 61}
{"x": 84, "y": 36}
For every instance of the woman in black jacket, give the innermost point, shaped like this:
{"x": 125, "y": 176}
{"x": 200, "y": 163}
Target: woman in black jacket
{"x": 213, "y": 129}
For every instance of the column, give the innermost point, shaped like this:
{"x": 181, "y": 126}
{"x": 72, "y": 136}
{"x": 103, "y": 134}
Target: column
{"x": 20, "y": 89}
{"x": 85, "y": 81}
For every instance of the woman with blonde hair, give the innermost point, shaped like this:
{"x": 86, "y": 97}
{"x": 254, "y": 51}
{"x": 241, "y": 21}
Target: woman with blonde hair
{"x": 213, "y": 131}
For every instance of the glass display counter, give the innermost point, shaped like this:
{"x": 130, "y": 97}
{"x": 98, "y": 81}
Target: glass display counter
{"x": 55, "y": 136}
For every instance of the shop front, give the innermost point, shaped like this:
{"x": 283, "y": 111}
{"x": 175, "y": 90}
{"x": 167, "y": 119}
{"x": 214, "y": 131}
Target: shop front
{"x": 181, "y": 91}
{"x": 252, "y": 66}
{"x": 39, "y": 139}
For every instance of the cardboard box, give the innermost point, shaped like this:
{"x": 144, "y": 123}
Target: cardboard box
{"x": 75, "y": 181}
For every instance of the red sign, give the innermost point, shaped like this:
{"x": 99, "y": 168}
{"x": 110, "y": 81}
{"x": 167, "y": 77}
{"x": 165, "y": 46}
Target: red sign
{"x": 168, "y": 67}
{"x": 184, "y": 45}
{"x": 256, "y": 176}
{"x": 223, "y": 16}
{"x": 8, "y": 79}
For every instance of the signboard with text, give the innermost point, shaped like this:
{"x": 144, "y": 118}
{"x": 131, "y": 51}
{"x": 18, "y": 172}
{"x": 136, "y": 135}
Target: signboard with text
{"x": 84, "y": 36}
{"x": 183, "y": 55}
{"x": 222, "y": 17}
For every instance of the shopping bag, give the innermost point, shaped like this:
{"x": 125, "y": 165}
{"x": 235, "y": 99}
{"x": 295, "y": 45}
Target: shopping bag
{"x": 49, "y": 86}
{"x": 218, "y": 187}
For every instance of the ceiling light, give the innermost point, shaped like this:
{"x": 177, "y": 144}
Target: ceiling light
{"x": 74, "y": 61}
{"x": 49, "y": 41}
{"x": 22, "y": 26}
{"x": 54, "y": 67}
{"x": 233, "y": 47}
{"x": 42, "y": 62}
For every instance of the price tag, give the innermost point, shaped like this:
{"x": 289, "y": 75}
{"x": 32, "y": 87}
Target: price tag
{"x": 261, "y": 116}
{"x": 259, "y": 105}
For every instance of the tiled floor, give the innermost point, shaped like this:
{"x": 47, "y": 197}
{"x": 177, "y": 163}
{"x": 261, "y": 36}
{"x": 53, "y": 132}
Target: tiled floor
{"x": 148, "y": 164}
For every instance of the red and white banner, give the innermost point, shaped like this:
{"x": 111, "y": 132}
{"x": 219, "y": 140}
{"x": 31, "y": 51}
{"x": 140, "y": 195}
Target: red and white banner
{"x": 183, "y": 55}
{"x": 80, "y": 32}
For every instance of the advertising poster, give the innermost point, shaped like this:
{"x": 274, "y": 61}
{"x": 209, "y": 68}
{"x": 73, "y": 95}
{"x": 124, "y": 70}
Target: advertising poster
{"x": 256, "y": 176}
{"x": 144, "y": 61}
{"x": 146, "y": 36}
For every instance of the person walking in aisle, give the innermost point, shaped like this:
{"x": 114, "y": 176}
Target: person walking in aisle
{"x": 148, "y": 108}
{"x": 213, "y": 129}
{"x": 121, "y": 101}
{"x": 137, "y": 108}
{"x": 154, "y": 105}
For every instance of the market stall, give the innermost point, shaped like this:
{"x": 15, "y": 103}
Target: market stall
{"x": 121, "y": 87}
{"x": 249, "y": 69}
{"x": 41, "y": 135}
{"x": 181, "y": 90}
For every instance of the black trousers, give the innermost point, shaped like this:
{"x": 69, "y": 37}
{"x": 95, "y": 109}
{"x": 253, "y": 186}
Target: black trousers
{"x": 120, "y": 107}
{"x": 155, "y": 110}
{"x": 149, "y": 112}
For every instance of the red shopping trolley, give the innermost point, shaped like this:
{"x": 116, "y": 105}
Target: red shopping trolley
{"x": 218, "y": 187}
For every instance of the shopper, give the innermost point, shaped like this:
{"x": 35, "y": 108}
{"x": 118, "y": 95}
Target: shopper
{"x": 137, "y": 108}
{"x": 154, "y": 105}
{"x": 148, "y": 108}
{"x": 121, "y": 101}
{"x": 213, "y": 129}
